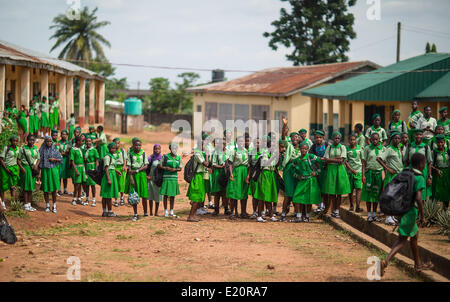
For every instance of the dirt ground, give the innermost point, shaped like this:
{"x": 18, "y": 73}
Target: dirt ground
{"x": 163, "y": 249}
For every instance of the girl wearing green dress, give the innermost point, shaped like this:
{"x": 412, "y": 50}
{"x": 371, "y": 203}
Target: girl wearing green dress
{"x": 372, "y": 177}
{"x": 418, "y": 146}
{"x": 444, "y": 121}
{"x": 360, "y": 139}
{"x": 266, "y": 190}
{"x": 136, "y": 178}
{"x": 9, "y": 170}
{"x": 376, "y": 128}
{"x": 433, "y": 141}
{"x": 218, "y": 166}
{"x": 354, "y": 171}
{"x": 78, "y": 170}
{"x": 31, "y": 121}
{"x": 254, "y": 154}
{"x": 45, "y": 122}
{"x": 28, "y": 161}
{"x": 307, "y": 191}
{"x": 63, "y": 147}
{"x": 70, "y": 126}
{"x": 396, "y": 125}
{"x": 441, "y": 171}
{"x": 413, "y": 119}
{"x": 91, "y": 157}
{"x": 196, "y": 191}
{"x": 23, "y": 124}
{"x": 169, "y": 187}
{"x": 153, "y": 188}
{"x": 336, "y": 183}
{"x": 237, "y": 186}
{"x": 109, "y": 188}
{"x": 121, "y": 167}
{"x": 50, "y": 158}
{"x": 101, "y": 142}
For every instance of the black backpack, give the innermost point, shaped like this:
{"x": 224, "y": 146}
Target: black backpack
{"x": 223, "y": 178}
{"x": 159, "y": 172}
{"x": 189, "y": 170}
{"x": 397, "y": 198}
{"x": 255, "y": 170}
{"x": 7, "y": 233}
{"x": 98, "y": 173}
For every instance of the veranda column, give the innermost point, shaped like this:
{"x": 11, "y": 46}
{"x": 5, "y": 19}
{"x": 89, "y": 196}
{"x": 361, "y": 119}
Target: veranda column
{"x": 62, "y": 101}
{"x": 330, "y": 118}
{"x": 101, "y": 102}
{"x": 2, "y": 86}
{"x": 81, "y": 107}
{"x": 313, "y": 112}
{"x": 24, "y": 86}
{"x": 357, "y": 113}
{"x": 44, "y": 86}
{"x": 342, "y": 117}
{"x": 91, "y": 102}
{"x": 69, "y": 99}
{"x": 320, "y": 113}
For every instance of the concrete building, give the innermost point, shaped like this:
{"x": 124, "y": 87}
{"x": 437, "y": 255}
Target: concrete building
{"x": 25, "y": 73}
{"x": 425, "y": 78}
{"x": 271, "y": 93}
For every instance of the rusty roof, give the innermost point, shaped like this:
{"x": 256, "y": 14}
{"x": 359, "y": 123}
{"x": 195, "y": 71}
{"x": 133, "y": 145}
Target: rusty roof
{"x": 283, "y": 81}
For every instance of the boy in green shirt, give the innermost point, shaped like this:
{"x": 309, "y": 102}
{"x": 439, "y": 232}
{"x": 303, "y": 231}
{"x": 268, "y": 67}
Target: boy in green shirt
{"x": 354, "y": 171}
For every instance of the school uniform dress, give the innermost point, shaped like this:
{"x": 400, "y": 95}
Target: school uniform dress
{"x": 90, "y": 156}
{"x": 446, "y": 125}
{"x": 54, "y": 114}
{"x": 336, "y": 182}
{"x": 37, "y": 115}
{"x": 28, "y": 156}
{"x": 441, "y": 184}
{"x": 307, "y": 190}
{"x": 381, "y": 132}
{"x": 218, "y": 159}
{"x": 309, "y": 142}
{"x": 33, "y": 127}
{"x": 413, "y": 120}
{"x": 102, "y": 147}
{"x": 70, "y": 127}
{"x": 425, "y": 150}
{"x": 136, "y": 161}
{"x": 238, "y": 189}
{"x": 207, "y": 176}
{"x": 399, "y": 126}
{"x": 196, "y": 190}
{"x": 354, "y": 157}
{"x": 290, "y": 182}
{"x": 109, "y": 191}
{"x": 361, "y": 140}
{"x": 374, "y": 179}
{"x": 266, "y": 188}
{"x": 253, "y": 159}
{"x": 153, "y": 189}
{"x": 433, "y": 143}
{"x": 50, "y": 180}
{"x": 407, "y": 225}
{"x": 423, "y": 123}
{"x": 9, "y": 156}
{"x": 64, "y": 167}
{"x": 170, "y": 185}
{"x": 23, "y": 121}
{"x": 393, "y": 158}
{"x": 45, "y": 122}
{"x": 76, "y": 156}
{"x": 319, "y": 151}
{"x": 120, "y": 156}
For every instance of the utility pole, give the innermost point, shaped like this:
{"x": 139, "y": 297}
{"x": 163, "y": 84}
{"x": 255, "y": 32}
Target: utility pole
{"x": 138, "y": 92}
{"x": 399, "y": 27}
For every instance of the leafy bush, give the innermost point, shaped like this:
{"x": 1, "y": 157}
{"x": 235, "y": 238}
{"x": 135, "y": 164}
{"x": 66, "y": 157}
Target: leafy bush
{"x": 37, "y": 197}
{"x": 16, "y": 210}
{"x": 443, "y": 220}
{"x": 5, "y": 135}
{"x": 430, "y": 211}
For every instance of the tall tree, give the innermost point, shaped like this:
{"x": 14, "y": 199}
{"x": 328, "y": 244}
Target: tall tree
{"x": 79, "y": 37}
{"x": 183, "y": 98}
{"x": 319, "y": 31}
{"x": 161, "y": 98}
{"x": 433, "y": 48}
{"x": 427, "y": 47}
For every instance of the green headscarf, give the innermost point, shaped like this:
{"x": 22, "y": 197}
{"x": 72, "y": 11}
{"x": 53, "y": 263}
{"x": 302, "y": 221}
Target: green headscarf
{"x": 63, "y": 131}
{"x": 112, "y": 144}
{"x": 443, "y": 109}
{"x": 394, "y": 133}
{"x": 134, "y": 140}
{"x": 336, "y": 133}
{"x": 302, "y": 131}
{"x": 13, "y": 137}
{"x": 116, "y": 139}
{"x": 395, "y": 111}
{"x": 319, "y": 132}
{"x": 292, "y": 134}
{"x": 375, "y": 116}
{"x": 440, "y": 137}
{"x": 54, "y": 131}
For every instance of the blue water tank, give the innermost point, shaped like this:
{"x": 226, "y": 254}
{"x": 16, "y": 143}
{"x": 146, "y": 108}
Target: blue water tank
{"x": 133, "y": 106}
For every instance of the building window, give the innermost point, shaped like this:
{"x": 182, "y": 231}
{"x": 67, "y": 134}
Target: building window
{"x": 279, "y": 116}
{"x": 260, "y": 112}
{"x": 34, "y": 70}
{"x": 52, "y": 89}
{"x": 210, "y": 111}
{"x": 36, "y": 88}
{"x": 13, "y": 68}
{"x": 199, "y": 108}
{"x": 225, "y": 113}
{"x": 241, "y": 112}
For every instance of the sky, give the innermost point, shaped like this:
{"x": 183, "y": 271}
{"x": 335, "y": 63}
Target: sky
{"x": 209, "y": 34}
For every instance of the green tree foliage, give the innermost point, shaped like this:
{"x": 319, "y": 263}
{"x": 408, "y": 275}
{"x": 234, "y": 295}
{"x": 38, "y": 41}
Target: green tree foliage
{"x": 318, "y": 31}
{"x": 183, "y": 98}
{"x": 80, "y": 37}
{"x": 111, "y": 87}
{"x": 102, "y": 67}
{"x": 433, "y": 48}
{"x": 427, "y": 47}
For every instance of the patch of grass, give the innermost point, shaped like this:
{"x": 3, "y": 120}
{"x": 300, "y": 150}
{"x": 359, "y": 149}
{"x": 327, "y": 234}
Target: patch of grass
{"x": 100, "y": 277}
{"x": 16, "y": 210}
{"x": 121, "y": 250}
{"x": 124, "y": 237}
{"x": 183, "y": 212}
{"x": 159, "y": 232}
{"x": 139, "y": 265}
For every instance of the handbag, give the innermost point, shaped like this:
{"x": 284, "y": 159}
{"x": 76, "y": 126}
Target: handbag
{"x": 133, "y": 197}
{"x": 7, "y": 233}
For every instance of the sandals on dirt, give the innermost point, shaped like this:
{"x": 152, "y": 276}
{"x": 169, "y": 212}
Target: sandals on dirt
{"x": 423, "y": 266}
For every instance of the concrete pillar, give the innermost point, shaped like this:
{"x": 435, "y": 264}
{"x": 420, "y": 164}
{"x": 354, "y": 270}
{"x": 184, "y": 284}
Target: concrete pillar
{"x": 347, "y": 120}
{"x": 341, "y": 119}
{"x": 91, "y": 102}
{"x": 101, "y": 102}
{"x": 97, "y": 98}
{"x": 319, "y": 113}
{"x": 357, "y": 113}
{"x": 2, "y": 86}
{"x": 330, "y": 112}
{"x": 62, "y": 101}
{"x": 69, "y": 98}
{"x": 81, "y": 107}
{"x": 405, "y": 110}
{"x": 44, "y": 86}
{"x": 313, "y": 117}
{"x": 24, "y": 87}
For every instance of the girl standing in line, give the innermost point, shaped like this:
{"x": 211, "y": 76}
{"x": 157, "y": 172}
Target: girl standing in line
{"x": 109, "y": 188}
{"x": 136, "y": 179}
{"x": 196, "y": 191}
{"x": 336, "y": 183}
{"x": 392, "y": 161}
{"x": 78, "y": 171}
{"x": 64, "y": 168}
{"x": 28, "y": 162}
{"x": 307, "y": 191}
{"x": 254, "y": 155}
{"x": 441, "y": 171}
{"x": 101, "y": 142}
{"x": 71, "y": 126}
{"x": 121, "y": 167}
{"x": 266, "y": 190}
{"x": 55, "y": 110}
{"x": 9, "y": 170}
{"x": 90, "y": 157}
{"x": 45, "y": 122}
{"x": 303, "y": 138}
{"x": 433, "y": 141}
{"x": 360, "y": 139}
{"x": 218, "y": 166}
{"x": 50, "y": 158}
{"x": 444, "y": 121}
{"x": 372, "y": 176}
{"x": 428, "y": 124}
{"x": 318, "y": 149}
{"x": 376, "y": 128}
{"x": 237, "y": 186}
{"x": 32, "y": 128}
{"x": 23, "y": 125}
{"x": 354, "y": 167}
{"x": 153, "y": 190}
{"x": 396, "y": 125}
{"x": 170, "y": 187}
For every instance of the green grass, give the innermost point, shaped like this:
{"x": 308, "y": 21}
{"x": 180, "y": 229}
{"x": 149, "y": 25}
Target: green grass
{"x": 159, "y": 232}
{"x": 124, "y": 237}
{"x": 16, "y": 210}
{"x": 121, "y": 250}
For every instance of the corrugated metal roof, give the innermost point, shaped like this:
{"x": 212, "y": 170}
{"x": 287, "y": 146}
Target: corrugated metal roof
{"x": 14, "y": 54}
{"x": 283, "y": 81}
{"x": 389, "y": 83}
{"x": 438, "y": 90}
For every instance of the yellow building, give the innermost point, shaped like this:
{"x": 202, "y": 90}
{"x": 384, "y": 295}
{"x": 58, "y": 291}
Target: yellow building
{"x": 271, "y": 93}
{"x": 24, "y": 73}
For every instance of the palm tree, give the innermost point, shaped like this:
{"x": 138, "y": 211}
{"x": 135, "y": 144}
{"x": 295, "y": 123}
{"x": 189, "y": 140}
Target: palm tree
{"x": 80, "y": 37}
